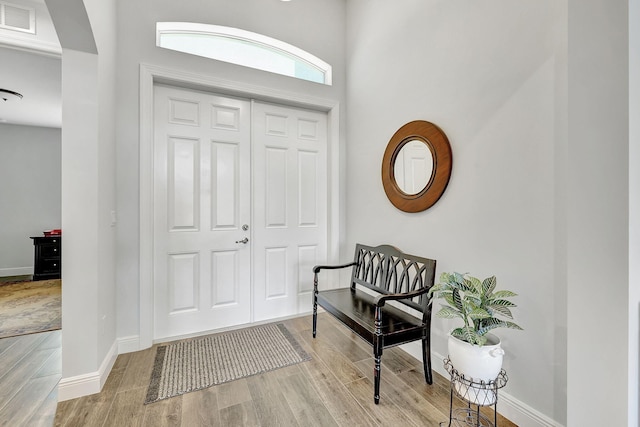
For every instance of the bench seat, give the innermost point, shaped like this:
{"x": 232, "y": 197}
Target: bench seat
{"x": 356, "y": 309}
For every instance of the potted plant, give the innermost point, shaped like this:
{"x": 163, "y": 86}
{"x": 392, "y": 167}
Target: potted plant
{"x": 473, "y": 351}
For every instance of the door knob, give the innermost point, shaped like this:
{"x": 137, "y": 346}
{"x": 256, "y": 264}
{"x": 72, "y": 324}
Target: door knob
{"x": 245, "y": 240}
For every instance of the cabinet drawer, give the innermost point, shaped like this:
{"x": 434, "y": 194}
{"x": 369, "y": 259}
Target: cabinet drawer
{"x": 50, "y": 251}
{"x": 49, "y": 266}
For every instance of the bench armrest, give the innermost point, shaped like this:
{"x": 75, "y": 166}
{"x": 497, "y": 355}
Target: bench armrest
{"x": 380, "y": 300}
{"x": 317, "y": 268}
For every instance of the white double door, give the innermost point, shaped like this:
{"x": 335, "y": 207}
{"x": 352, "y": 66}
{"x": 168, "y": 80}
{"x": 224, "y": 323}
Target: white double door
{"x": 240, "y": 210}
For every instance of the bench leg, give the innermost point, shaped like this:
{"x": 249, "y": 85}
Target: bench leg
{"x": 377, "y": 357}
{"x": 378, "y": 345}
{"x": 315, "y": 302}
{"x": 315, "y": 315}
{"x": 315, "y": 312}
{"x": 426, "y": 360}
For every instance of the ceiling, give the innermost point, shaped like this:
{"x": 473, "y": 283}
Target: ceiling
{"x": 31, "y": 65}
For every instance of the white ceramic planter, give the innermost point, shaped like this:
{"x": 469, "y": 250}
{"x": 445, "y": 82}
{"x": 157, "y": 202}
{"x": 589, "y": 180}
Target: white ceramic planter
{"x": 476, "y": 364}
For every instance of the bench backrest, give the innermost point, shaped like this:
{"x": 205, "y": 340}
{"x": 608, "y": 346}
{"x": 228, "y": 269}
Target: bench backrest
{"x": 388, "y": 270}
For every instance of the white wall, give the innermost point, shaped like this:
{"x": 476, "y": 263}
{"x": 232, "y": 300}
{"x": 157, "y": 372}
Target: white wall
{"x": 598, "y": 215}
{"x": 88, "y": 192}
{"x": 535, "y": 100}
{"x": 102, "y": 16}
{"x": 30, "y": 193}
{"x": 492, "y": 75}
{"x": 317, "y": 27}
{"x": 634, "y": 214}
{"x": 79, "y": 214}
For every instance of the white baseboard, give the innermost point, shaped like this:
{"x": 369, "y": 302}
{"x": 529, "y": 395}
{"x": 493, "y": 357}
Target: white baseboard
{"x": 128, "y": 344}
{"x": 16, "y": 271}
{"x": 509, "y": 407}
{"x": 516, "y": 410}
{"x": 91, "y": 383}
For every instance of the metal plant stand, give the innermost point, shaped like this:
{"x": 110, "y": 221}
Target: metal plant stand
{"x": 475, "y": 394}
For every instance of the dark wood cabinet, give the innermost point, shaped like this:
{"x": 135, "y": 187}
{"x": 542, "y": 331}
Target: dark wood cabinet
{"x": 47, "y": 257}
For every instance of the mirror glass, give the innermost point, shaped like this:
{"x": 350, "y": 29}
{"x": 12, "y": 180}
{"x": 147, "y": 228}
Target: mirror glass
{"x": 413, "y": 166}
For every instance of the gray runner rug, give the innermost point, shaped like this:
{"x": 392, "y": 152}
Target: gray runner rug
{"x": 195, "y": 364}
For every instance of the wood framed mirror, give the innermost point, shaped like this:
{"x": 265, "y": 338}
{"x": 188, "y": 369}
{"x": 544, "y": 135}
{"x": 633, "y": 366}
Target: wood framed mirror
{"x": 416, "y": 166}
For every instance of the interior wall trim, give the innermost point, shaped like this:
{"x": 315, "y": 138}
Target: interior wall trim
{"x": 31, "y": 46}
{"x": 16, "y": 271}
{"x": 91, "y": 383}
{"x": 128, "y": 344}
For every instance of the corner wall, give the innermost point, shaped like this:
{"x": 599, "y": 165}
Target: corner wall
{"x": 598, "y": 215}
{"x": 492, "y": 75}
{"x": 87, "y": 36}
{"x": 634, "y": 215}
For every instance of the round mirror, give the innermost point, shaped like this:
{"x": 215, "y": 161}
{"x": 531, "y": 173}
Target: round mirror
{"x": 416, "y": 166}
{"x": 413, "y": 166}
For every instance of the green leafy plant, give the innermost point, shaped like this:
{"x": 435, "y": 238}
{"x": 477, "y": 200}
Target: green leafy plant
{"x": 477, "y": 303}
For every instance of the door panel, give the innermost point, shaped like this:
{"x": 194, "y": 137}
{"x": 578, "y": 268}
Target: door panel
{"x": 275, "y": 187}
{"x": 308, "y": 175}
{"x": 182, "y": 282}
{"x": 183, "y": 199}
{"x": 201, "y": 200}
{"x": 224, "y": 269}
{"x": 225, "y": 161}
{"x": 290, "y": 207}
{"x": 275, "y": 279}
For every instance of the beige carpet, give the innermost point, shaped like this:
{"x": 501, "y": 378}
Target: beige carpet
{"x": 30, "y": 307}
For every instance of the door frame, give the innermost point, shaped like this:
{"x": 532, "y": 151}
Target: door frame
{"x": 151, "y": 74}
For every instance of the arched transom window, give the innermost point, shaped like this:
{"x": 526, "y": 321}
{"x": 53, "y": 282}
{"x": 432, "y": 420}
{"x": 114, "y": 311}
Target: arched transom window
{"x": 242, "y": 48}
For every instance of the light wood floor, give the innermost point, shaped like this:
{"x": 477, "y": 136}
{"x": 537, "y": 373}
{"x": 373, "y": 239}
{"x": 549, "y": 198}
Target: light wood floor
{"x": 333, "y": 389}
{"x": 30, "y": 369}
